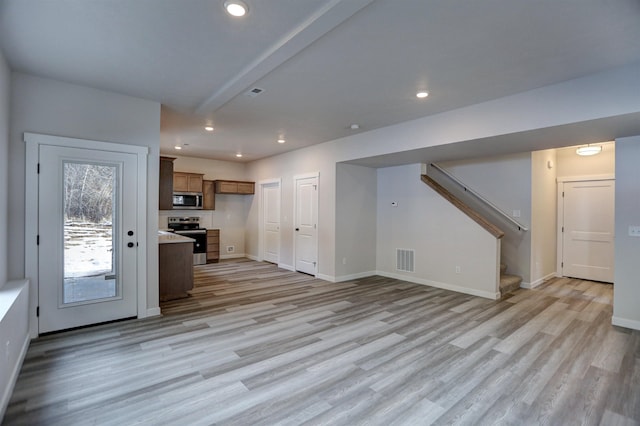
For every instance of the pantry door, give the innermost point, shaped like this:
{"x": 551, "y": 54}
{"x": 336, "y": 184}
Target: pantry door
{"x": 87, "y": 252}
{"x": 271, "y": 221}
{"x": 306, "y": 224}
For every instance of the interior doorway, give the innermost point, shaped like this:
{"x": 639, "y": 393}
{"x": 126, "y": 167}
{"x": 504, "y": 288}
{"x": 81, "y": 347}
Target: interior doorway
{"x": 270, "y": 220}
{"x": 586, "y": 212}
{"x": 306, "y": 224}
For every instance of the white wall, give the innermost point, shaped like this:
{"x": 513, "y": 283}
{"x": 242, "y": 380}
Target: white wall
{"x": 356, "y": 195}
{"x": 626, "y": 288}
{"x": 51, "y": 107}
{"x": 506, "y": 182}
{"x": 5, "y": 86}
{"x": 570, "y": 164}
{"x": 442, "y": 236}
{"x": 319, "y": 158}
{"x": 231, "y": 213}
{"x": 601, "y": 95}
{"x": 543, "y": 215}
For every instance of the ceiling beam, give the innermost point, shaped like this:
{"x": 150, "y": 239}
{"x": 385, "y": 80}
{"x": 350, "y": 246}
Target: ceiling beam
{"x": 329, "y": 16}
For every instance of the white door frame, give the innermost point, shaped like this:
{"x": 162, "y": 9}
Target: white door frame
{"x": 261, "y": 185}
{"x": 560, "y": 181}
{"x": 33, "y": 142}
{"x": 295, "y": 216}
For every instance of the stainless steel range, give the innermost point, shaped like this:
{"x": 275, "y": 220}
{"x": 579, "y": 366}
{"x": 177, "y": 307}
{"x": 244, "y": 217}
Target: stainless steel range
{"x": 190, "y": 227}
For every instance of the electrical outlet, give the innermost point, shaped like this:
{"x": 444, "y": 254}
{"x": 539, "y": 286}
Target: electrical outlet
{"x": 634, "y": 231}
{"x": 458, "y": 270}
{"x": 516, "y": 213}
{"x": 231, "y": 249}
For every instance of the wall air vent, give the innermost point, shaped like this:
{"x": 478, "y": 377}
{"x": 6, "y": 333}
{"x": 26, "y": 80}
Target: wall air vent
{"x": 254, "y": 92}
{"x": 404, "y": 260}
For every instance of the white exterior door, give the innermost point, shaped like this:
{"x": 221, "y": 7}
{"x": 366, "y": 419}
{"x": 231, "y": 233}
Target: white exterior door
{"x": 306, "y": 225}
{"x": 87, "y": 253}
{"x": 271, "y": 222}
{"x": 588, "y": 230}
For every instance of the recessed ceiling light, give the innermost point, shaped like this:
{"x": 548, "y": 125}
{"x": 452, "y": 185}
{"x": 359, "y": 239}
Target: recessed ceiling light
{"x": 236, "y": 8}
{"x": 281, "y": 140}
{"x": 422, "y": 94}
{"x": 354, "y": 126}
{"x": 209, "y": 128}
{"x": 238, "y": 155}
{"x": 178, "y": 147}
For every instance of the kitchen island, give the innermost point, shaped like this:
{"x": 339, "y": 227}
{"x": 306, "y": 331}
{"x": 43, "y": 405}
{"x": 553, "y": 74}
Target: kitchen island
{"x": 176, "y": 265}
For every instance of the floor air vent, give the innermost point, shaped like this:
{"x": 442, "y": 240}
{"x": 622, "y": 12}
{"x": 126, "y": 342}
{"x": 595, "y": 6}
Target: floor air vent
{"x": 404, "y": 260}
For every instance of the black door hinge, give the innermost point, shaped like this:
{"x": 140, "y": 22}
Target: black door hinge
{"x": 562, "y": 265}
{"x": 38, "y": 240}
{"x": 38, "y": 168}
{"x": 38, "y": 311}
{"x": 563, "y": 229}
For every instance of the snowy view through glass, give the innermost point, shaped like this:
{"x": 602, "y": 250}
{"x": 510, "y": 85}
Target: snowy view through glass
{"x": 89, "y": 202}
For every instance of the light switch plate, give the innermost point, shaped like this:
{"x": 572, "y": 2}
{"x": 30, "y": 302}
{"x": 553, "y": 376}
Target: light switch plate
{"x": 634, "y": 231}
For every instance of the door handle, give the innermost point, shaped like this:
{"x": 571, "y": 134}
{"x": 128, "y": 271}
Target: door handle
{"x": 130, "y": 233}
{"x": 129, "y": 244}
{"x": 297, "y": 229}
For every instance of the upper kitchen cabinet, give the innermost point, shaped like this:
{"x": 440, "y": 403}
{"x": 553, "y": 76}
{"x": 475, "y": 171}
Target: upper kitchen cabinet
{"x": 234, "y": 187}
{"x": 208, "y": 195}
{"x": 166, "y": 183}
{"x": 187, "y": 182}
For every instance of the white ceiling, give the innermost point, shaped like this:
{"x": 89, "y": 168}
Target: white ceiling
{"x": 323, "y": 65}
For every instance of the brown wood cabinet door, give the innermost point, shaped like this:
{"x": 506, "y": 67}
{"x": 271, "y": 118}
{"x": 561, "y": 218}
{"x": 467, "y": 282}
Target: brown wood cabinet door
{"x": 180, "y": 182}
{"x": 226, "y": 187}
{"x": 213, "y": 245}
{"x": 195, "y": 183}
{"x": 208, "y": 195}
{"x": 166, "y": 184}
{"x": 245, "y": 188}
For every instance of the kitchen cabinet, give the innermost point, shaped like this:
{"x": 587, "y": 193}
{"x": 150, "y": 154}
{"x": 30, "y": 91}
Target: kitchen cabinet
{"x": 176, "y": 269}
{"x": 187, "y": 182}
{"x": 234, "y": 187}
{"x": 213, "y": 245}
{"x": 166, "y": 183}
{"x": 208, "y": 195}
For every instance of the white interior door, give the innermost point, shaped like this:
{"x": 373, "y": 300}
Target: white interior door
{"x": 306, "y": 225}
{"x": 87, "y": 253}
{"x": 271, "y": 222}
{"x": 588, "y": 230}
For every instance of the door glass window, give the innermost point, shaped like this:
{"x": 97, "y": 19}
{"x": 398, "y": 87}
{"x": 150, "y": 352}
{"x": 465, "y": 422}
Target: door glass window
{"x": 89, "y": 228}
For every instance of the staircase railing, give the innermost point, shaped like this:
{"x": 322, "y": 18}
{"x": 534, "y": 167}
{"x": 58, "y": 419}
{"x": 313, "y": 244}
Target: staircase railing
{"x": 479, "y": 197}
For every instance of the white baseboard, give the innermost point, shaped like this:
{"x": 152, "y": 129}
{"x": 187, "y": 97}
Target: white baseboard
{"x": 445, "y": 286}
{"x": 13, "y": 378}
{"x": 287, "y": 267}
{"x": 626, "y": 323}
{"x": 153, "y": 312}
{"x": 536, "y": 283}
{"x": 324, "y": 277}
{"x": 232, "y": 256}
{"x": 357, "y": 276}
{"x": 252, "y": 257}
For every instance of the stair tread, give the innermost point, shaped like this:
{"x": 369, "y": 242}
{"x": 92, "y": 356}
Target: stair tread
{"x": 509, "y": 282}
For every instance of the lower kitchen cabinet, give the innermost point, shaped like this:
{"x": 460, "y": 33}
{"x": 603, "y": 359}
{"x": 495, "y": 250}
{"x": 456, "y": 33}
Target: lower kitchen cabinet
{"x": 213, "y": 245}
{"x": 176, "y": 270}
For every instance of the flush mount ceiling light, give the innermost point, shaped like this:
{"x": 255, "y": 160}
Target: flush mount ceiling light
{"x": 281, "y": 140}
{"x": 236, "y": 8}
{"x": 354, "y": 126}
{"x": 238, "y": 155}
{"x": 422, "y": 94}
{"x": 178, "y": 147}
{"x": 209, "y": 128}
{"x": 589, "y": 150}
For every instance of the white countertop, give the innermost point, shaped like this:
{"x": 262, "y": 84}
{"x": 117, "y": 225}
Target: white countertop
{"x": 165, "y": 237}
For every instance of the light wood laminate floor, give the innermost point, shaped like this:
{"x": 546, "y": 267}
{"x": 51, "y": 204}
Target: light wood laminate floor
{"x": 258, "y": 345}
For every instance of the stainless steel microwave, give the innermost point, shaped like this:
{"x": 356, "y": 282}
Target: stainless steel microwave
{"x": 187, "y": 200}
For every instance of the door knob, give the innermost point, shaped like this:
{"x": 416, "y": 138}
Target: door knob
{"x": 130, "y": 233}
{"x": 129, "y": 244}
{"x": 297, "y": 229}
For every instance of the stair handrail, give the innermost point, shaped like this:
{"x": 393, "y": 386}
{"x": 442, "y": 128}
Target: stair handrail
{"x": 520, "y": 226}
